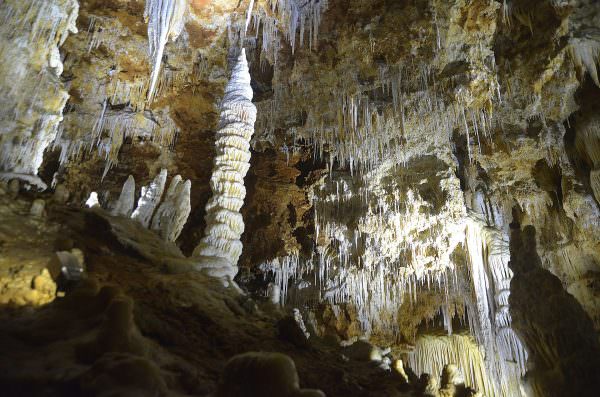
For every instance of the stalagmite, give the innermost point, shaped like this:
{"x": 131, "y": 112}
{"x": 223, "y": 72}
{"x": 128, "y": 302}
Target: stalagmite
{"x": 165, "y": 21}
{"x": 149, "y": 199}
{"x": 260, "y": 374}
{"x": 172, "y": 214}
{"x": 92, "y": 200}
{"x": 38, "y": 208}
{"x": 224, "y": 223}
{"x": 61, "y": 194}
{"x": 126, "y": 201}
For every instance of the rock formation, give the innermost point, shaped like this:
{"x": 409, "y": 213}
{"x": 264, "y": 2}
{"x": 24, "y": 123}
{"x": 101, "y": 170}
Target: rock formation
{"x": 126, "y": 201}
{"x": 262, "y": 374}
{"x": 165, "y": 22}
{"x": 149, "y": 199}
{"x": 33, "y": 97}
{"x": 563, "y": 344}
{"x": 172, "y": 214}
{"x": 316, "y": 178}
{"x": 224, "y": 222}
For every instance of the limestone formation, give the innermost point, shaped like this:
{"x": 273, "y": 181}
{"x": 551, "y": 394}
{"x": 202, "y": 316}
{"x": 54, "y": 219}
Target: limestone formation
{"x": 224, "y": 222}
{"x": 38, "y": 208}
{"x": 172, "y": 214}
{"x": 61, "y": 194}
{"x": 165, "y": 22}
{"x": 559, "y": 334}
{"x": 92, "y": 201}
{"x": 149, "y": 199}
{"x": 262, "y": 374}
{"x": 33, "y": 97}
{"x": 13, "y": 188}
{"x": 343, "y": 174}
{"x": 126, "y": 201}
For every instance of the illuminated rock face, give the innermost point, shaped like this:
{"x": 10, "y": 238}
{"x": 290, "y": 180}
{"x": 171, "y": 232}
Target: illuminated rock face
{"x": 224, "y": 223}
{"x": 433, "y": 353}
{"x": 489, "y": 311}
{"x": 403, "y": 120}
{"x": 32, "y": 97}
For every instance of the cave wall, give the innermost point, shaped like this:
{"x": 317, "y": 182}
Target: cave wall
{"x": 380, "y": 136}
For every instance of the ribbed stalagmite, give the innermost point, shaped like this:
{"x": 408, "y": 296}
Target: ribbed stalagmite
{"x": 224, "y": 223}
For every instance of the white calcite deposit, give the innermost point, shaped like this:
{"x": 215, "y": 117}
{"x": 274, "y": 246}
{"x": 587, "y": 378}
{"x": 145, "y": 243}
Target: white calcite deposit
{"x": 224, "y": 223}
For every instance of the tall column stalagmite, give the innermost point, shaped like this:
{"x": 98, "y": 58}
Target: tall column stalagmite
{"x": 221, "y": 246}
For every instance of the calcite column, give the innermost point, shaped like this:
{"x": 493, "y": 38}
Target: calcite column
{"x": 221, "y": 246}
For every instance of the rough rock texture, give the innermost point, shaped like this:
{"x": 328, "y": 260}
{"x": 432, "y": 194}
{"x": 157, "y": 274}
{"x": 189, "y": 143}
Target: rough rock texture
{"x": 140, "y": 321}
{"x": 26, "y": 274}
{"x": 33, "y": 97}
{"x": 262, "y": 374}
{"x": 383, "y": 129}
{"x": 564, "y": 347}
{"x": 150, "y": 197}
{"x": 172, "y": 214}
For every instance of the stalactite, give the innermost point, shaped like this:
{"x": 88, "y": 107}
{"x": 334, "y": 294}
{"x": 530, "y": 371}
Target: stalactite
{"x": 31, "y": 95}
{"x": 149, "y": 199}
{"x": 432, "y": 354}
{"x": 289, "y": 18}
{"x": 299, "y": 17}
{"x": 109, "y": 129}
{"x": 224, "y": 223}
{"x": 126, "y": 201}
{"x": 379, "y": 264}
{"x": 505, "y": 356}
{"x": 586, "y": 55}
{"x": 165, "y": 21}
{"x": 364, "y": 134}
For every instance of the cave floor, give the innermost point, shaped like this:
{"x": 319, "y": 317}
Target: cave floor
{"x": 134, "y": 325}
